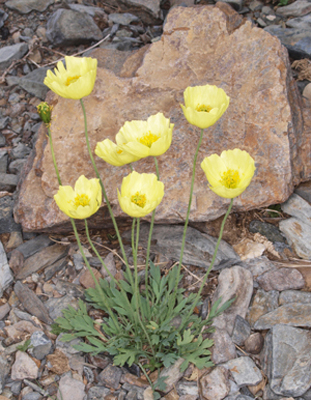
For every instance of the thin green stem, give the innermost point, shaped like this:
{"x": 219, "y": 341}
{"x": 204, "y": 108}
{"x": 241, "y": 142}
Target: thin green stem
{"x": 149, "y": 244}
{"x": 97, "y": 285}
{"x": 156, "y": 167}
{"x": 186, "y": 223}
{"x": 105, "y": 195}
{"x": 146, "y": 375}
{"x": 211, "y": 264}
{"x": 131, "y": 167}
{"x": 136, "y": 293}
{"x": 53, "y": 155}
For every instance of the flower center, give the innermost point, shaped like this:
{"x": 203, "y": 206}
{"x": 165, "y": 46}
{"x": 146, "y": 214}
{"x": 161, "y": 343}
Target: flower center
{"x": 81, "y": 200}
{"x": 139, "y": 199}
{"x": 230, "y": 179}
{"x": 203, "y": 108}
{"x": 72, "y": 79}
{"x": 148, "y": 139}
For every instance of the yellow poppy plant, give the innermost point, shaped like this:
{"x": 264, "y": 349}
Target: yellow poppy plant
{"x": 146, "y": 138}
{"x": 230, "y": 173}
{"x": 112, "y": 154}
{"x": 82, "y": 201}
{"x": 204, "y": 105}
{"x": 140, "y": 194}
{"x": 76, "y": 80}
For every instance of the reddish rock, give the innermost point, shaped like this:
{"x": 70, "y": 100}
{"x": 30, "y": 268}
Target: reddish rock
{"x": 266, "y": 117}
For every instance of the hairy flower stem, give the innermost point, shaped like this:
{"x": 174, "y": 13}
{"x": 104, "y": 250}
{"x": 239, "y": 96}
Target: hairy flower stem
{"x": 172, "y": 303}
{"x": 149, "y": 244}
{"x": 99, "y": 289}
{"x": 53, "y": 155}
{"x": 211, "y": 264}
{"x": 105, "y": 195}
{"x": 139, "y": 309}
{"x": 108, "y": 272}
{"x": 146, "y": 375}
{"x": 97, "y": 285}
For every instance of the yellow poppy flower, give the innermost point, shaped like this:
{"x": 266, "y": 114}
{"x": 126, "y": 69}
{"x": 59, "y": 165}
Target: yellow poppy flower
{"x": 230, "y": 174}
{"x": 82, "y": 201}
{"x": 146, "y": 138}
{"x": 76, "y": 81}
{"x": 112, "y": 154}
{"x": 204, "y": 105}
{"x": 140, "y": 194}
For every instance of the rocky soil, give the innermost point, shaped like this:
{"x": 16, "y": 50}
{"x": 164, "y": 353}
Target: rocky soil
{"x": 262, "y": 343}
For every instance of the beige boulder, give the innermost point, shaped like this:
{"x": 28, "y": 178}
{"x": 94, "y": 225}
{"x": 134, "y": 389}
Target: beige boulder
{"x": 200, "y": 45}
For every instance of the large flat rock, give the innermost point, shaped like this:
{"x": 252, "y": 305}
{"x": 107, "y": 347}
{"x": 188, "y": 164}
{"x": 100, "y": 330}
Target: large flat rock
{"x": 199, "y": 45}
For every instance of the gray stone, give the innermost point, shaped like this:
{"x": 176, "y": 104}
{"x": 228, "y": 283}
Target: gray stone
{"x": 298, "y": 234}
{"x": 294, "y": 296}
{"x": 187, "y": 388}
{"x": 244, "y": 371}
{"x": 55, "y": 306}
{"x": 300, "y": 22}
{"x": 241, "y": 331}
{"x": 4, "y": 122}
{"x": 255, "y": 5}
{"x": 8, "y": 182}
{"x": 296, "y": 40}
{"x": 33, "y": 83}
{"x": 281, "y": 279}
{"x": 254, "y": 343}
{"x": 7, "y": 223}
{"x": 35, "y": 245}
{"x": 270, "y": 231}
{"x": 42, "y": 259}
{"x": 235, "y": 282}
{"x": 20, "y": 151}
{"x": 16, "y": 166}
{"x": 26, "y": 6}
{"x": 16, "y": 387}
{"x": 78, "y": 261}
{"x": 12, "y": 53}
{"x": 70, "y": 388}
{"x": 296, "y": 9}
{"x": 110, "y": 376}
{"x": 92, "y": 11}
{"x": 223, "y": 349}
{"x": 237, "y": 5}
{"x": 24, "y": 367}
{"x": 32, "y": 396}
{"x": 42, "y": 345}
{"x": 69, "y": 27}
{"x": 97, "y": 393}
{"x": 297, "y": 207}
{"x": 4, "y": 310}
{"x": 6, "y": 277}
{"x": 31, "y": 302}
{"x": 65, "y": 287}
{"x": 3, "y": 161}
{"x": 123, "y": 19}
{"x": 258, "y": 265}
{"x": 294, "y": 314}
{"x": 304, "y": 190}
{"x": 289, "y": 358}
{"x": 263, "y": 303}
{"x": 4, "y": 370}
{"x": 148, "y": 11}
{"x": 199, "y": 247}
{"x": 111, "y": 266}
{"x": 173, "y": 374}
{"x": 2, "y": 140}
{"x": 215, "y": 386}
